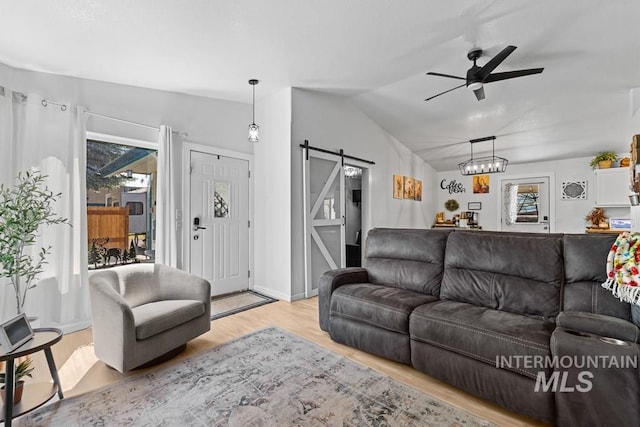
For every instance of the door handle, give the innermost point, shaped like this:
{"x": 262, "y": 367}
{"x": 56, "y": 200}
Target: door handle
{"x": 196, "y": 224}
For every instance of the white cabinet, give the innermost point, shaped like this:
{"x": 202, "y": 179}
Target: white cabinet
{"x": 612, "y": 187}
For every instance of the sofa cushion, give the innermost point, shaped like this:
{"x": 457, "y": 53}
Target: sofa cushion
{"x": 483, "y": 334}
{"x": 585, "y": 266}
{"x": 407, "y": 259}
{"x": 519, "y": 274}
{"x": 379, "y": 306}
{"x": 156, "y": 317}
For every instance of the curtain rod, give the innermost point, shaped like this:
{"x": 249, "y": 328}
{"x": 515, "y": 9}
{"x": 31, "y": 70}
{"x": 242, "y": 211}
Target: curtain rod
{"x": 63, "y": 107}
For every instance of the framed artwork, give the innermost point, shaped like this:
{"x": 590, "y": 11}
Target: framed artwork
{"x": 409, "y": 190}
{"x": 417, "y": 190}
{"x": 480, "y": 184}
{"x": 574, "y": 190}
{"x": 398, "y": 186}
{"x": 474, "y": 206}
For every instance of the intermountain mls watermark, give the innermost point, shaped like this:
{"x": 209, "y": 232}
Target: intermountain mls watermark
{"x": 557, "y": 381}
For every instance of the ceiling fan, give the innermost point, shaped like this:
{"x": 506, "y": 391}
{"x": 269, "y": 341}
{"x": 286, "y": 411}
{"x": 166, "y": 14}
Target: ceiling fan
{"x": 478, "y": 76}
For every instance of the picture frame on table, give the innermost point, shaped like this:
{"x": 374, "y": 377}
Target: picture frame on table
{"x": 15, "y": 332}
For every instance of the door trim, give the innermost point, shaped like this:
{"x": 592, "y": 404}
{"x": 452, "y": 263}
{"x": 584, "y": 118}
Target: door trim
{"x": 187, "y": 148}
{"x": 533, "y": 175}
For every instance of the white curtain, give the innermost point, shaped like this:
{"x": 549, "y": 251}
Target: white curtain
{"x": 53, "y": 141}
{"x": 510, "y": 207}
{"x": 166, "y": 235}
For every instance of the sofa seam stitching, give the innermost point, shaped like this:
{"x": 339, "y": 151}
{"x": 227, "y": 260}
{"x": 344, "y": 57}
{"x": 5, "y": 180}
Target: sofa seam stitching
{"x": 346, "y": 316}
{"x": 525, "y": 343}
{"x": 478, "y": 357}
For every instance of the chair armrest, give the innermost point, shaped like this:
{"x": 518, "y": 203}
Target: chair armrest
{"x": 113, "y": 325}
{"x": 178, "y": 284}
{"x": 598, "y": 324}
{"x": 329, "y": 282}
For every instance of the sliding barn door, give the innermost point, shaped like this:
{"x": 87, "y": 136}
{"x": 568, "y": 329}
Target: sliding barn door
{"x": 324, "y": 216}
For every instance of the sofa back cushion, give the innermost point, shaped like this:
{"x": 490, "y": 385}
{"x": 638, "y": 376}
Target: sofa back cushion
{"x": 585, "y": 266}
{"x": 407, "y": 259}
{"x": 515, "y": 273}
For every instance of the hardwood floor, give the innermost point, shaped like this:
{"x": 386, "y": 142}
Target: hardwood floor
{"x": 81, "y": 372}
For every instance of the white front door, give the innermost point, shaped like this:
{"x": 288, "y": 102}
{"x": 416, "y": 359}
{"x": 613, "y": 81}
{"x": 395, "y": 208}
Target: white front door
{"x": 525, "y": 205}
{"x": 324, "y": 216}
{"x": 219, "y": 223}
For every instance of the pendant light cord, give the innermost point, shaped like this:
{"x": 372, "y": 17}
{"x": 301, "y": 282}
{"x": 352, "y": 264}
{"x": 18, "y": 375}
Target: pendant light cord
{"x": 254, "y": 104}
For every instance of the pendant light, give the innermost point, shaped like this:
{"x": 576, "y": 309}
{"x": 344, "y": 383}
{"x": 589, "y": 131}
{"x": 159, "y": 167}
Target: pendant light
{"x": 254, "y": 129}
{"x": 483, "y": 165}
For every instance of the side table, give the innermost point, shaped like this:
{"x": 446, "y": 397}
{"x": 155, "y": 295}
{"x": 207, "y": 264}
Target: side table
{"x": 35, "y": 395}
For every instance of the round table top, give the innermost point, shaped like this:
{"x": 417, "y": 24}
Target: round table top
{"x": 42, "y": 338}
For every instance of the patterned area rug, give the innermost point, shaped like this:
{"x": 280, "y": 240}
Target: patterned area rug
{"x": 235, "y": 303}
{"x": 266, "y": 378}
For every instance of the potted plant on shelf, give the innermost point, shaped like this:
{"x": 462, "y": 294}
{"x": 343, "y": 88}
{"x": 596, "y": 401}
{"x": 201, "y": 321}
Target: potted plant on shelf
{"x": 23, "y": 369}
{"x": 603, "y": 159}
{"x": 24, "y": 208}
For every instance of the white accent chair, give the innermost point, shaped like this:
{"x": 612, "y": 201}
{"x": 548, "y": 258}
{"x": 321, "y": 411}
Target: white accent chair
{"x": 143, "y": 311}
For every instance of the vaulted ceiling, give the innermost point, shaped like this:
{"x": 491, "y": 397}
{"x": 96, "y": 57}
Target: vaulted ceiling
{"x": 375, "y": 51}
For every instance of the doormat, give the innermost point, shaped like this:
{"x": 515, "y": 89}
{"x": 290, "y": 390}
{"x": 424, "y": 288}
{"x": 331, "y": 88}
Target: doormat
{"x": 267, "y": 378}
{"x": 227, "y": 305}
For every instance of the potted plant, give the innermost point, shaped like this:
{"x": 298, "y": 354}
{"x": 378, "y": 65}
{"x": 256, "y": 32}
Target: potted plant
{"x": 603, "y": 159}
{"x": 24, "y": 208}
{"x": 23, "y": 369}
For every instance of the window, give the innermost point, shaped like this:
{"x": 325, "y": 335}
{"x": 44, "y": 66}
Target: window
{"x": 527, "y": 203}
{"x": 135, "y": 208}
{"x": 120, "y": 181}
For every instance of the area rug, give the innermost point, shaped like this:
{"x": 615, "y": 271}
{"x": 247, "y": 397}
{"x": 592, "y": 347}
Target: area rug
{"x": 235, "y": 303}
{"x": 266, "y": 378}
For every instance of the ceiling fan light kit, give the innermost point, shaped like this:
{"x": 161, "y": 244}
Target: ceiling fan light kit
{"x": 486, "y": 164}
{"x": 478, "y": 76}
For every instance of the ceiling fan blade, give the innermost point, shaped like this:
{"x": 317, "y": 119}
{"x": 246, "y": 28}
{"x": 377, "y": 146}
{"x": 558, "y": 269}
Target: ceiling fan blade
{"x": 446, "y": 75}
{"x": 512, "y": 74}
{"x": 446, "y": 91}
{"x": 484, "y": 72}
{"x": 479, "y": 93}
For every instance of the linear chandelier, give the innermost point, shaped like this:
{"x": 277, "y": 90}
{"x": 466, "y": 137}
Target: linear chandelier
{"x": 486, "y": 164}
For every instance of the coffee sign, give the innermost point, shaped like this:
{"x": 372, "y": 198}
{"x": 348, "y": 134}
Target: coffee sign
{"x": 453, "y": 186}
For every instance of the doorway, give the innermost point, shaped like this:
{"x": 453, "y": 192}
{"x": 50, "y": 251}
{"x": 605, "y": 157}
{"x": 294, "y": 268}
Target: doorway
{"x": 353, "y": 215}
{"x": 525, "y": 205}
{"x": 219, "y": 221}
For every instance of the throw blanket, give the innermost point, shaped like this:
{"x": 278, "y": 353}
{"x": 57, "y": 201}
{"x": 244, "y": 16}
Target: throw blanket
{"x": 623, "y": 274}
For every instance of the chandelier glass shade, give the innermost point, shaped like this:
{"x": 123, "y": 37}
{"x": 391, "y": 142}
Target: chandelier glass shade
{"x": 254, "y": 129}
{"x": 485, "y": 164}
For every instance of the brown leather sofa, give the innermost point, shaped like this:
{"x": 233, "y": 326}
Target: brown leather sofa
{"x": 494, "y": 314}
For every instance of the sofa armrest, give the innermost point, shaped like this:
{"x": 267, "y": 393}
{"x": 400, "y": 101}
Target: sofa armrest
{"x": 598, "y": 382}
{"x": 598, "y": 324}
{"x": 113, "y": 325}
{"x": 329, "y": 282}
{"x": 178, "y": 284}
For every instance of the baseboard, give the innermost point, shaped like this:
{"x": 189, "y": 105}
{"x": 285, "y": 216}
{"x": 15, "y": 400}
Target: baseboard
{"x": 271, "y": 293}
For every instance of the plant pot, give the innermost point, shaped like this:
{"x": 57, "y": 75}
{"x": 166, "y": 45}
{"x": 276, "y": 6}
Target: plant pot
{"x": 17, "y": 396}
{"x": 604, "y": 164}
{"x": 634, "y": 199}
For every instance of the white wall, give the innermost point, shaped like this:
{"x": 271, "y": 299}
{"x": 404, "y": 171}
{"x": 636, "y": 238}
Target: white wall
{"x": 272, "y": 194}
{"x": 216, "y": 123}
{"x": 569, "y": 214}
{"x": 207, "y": 121}
{"x": 332, "y": 122}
